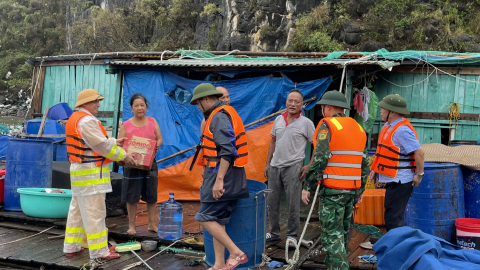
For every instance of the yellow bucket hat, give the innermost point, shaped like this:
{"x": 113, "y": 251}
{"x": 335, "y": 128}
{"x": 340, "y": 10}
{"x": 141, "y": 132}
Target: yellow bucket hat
{"x": 86, "y": 96}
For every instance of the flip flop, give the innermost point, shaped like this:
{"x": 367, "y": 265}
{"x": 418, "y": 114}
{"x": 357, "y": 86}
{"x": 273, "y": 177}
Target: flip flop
{"x": 111, "y": 255}
{"x": 367, "y": 259}
{"x": 292, "y": 244}
{"x": 69, "y": 255}
{"x": 275, "y": 264}
{"x": 270, "y": 238}
{"x": 366, "y": 245}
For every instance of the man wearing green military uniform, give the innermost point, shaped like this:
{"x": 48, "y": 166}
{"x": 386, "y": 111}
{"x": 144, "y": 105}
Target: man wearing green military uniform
{"x": 340, "y": 167}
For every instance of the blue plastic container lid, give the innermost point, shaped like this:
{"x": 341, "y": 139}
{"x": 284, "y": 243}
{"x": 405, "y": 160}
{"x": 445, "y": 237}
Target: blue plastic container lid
{"x": 61, "y": 111}
{"x": 438, "y": 165}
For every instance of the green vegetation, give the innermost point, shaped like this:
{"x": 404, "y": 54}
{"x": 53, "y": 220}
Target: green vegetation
{"x": 389, "y": 21}
{"x": 28, "y": 28}
{"x": 171, "y": 26}
{"x": 314, "y": 31}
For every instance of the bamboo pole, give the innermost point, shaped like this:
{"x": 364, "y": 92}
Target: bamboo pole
{"x": 251, "y": 124}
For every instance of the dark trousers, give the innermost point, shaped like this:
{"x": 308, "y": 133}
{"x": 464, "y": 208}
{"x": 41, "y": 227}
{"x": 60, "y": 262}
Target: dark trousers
{"x": 396, "y": 199}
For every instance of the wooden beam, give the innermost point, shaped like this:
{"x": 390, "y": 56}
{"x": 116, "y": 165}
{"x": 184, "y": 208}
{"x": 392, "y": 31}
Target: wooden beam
{"x": 117, "y": 111}
{"x": 99, "y": 114}
{"x": 38, "y": 82}
{"x": 72, "y": 63}
{"x": 442, "y": 116}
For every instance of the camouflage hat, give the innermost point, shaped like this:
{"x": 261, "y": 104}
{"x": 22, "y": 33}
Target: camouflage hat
{"x": 204, "y": 90}
{"x": 394, "y": 103}
{"x": 334, "y": 98}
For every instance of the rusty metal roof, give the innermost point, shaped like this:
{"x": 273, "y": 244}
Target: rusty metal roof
{"x": 207, "y": 63}
{"x": 170, "y": 54}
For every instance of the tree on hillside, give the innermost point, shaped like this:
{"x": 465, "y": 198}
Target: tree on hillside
{"x": 28, "y": 28}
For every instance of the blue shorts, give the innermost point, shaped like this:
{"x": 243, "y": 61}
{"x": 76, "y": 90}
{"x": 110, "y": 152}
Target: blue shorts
{"x": 220, "y": 211}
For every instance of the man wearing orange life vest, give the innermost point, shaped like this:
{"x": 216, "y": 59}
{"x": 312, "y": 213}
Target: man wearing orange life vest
{"x": 225, "y": 98}
{"x": 224, "y": 155}
{"x": 399, "y": 155}
{"x": 340, "y": 166}
{"x": 89, "y": 151}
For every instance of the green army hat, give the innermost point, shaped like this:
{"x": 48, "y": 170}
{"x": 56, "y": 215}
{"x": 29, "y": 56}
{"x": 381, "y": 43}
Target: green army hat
{"x": 334, "y": 98}
{"x": 394, "y": 103}
{"x": 204, "y": 90}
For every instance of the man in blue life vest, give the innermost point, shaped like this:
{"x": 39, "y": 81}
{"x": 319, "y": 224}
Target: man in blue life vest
{"x": 399, "y": 159}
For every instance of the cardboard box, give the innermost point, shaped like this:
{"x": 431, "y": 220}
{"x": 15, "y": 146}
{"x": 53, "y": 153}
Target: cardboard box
{"x": 142, "y": 150}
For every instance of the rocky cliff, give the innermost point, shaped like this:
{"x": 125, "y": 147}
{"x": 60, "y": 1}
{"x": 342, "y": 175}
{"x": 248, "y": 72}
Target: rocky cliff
{"x": 274, "y": 25}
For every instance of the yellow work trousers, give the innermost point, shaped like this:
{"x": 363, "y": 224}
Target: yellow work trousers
{"x": 87, "y": 216}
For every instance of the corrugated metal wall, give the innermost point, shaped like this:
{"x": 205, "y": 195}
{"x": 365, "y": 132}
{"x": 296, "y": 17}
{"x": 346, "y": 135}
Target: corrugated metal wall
{"x": 434, "y": 94}
{"x": 63, "y": 83}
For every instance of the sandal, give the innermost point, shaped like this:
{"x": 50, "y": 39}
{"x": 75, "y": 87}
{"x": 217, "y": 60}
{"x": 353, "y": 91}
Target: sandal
{"x": 238, "y": 260}
{"x": 367, "y": 259}
{"x": 111, "y": 255}
{"x": 269, "y": 237}
{"x": 366, "y": 245}
{"x": 71, "y": 254}
{"x": 292, "y": 243}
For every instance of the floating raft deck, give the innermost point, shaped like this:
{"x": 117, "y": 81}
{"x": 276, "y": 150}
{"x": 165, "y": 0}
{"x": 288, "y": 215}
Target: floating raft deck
{"x": 39, "y": 250}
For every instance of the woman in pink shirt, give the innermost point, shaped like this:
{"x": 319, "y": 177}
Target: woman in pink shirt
{"x": 140, "y": 184}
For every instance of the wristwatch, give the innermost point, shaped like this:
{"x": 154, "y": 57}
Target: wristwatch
{"x": 421, "y": 174}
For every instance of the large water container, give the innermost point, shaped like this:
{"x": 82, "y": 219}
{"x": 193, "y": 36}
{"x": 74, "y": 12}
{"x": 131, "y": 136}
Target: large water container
{"x": 471, "y": 183}
{"x": 247, "y": 227}
{"x": 170, "y": 218}
{"x": 29, "y": 164}
{"x": 438, "y": 201}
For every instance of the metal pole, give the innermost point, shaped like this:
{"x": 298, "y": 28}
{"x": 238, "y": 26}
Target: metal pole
{"x": 148, "y": 266}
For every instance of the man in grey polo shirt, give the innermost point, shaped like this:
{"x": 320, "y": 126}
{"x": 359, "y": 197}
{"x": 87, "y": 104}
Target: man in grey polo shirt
{"x": 290, "y": 134}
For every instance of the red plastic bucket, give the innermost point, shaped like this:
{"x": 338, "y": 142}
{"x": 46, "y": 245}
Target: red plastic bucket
{"x": 468, "y": 233}
{"x": 2, "y": 184}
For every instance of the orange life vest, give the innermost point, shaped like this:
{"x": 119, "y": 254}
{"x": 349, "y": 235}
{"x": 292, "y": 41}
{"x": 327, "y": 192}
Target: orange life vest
{"x": 209, "y": 155}
{"x": 347, "y": 145}
{"x": 76, "y": 146}
{"x": 388, "y": 156}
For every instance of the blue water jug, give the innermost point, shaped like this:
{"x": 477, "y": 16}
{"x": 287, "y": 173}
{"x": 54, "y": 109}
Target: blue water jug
{"x": 170, "y": 218}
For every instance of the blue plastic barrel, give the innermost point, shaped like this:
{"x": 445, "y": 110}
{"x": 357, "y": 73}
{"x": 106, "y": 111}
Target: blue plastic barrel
{"x": 29, "y": 164}
{"x": 50, "y": 127}
{"x": 471, "y": 183}
{"x": 247, "y": 227}
{"x": 438, "y": 201}
{"x": 60, "y": 151}
{"x": 61, "y": 111}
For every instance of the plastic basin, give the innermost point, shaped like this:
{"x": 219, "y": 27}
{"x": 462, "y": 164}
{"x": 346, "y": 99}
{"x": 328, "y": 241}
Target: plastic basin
{"x": 39, "y": 204}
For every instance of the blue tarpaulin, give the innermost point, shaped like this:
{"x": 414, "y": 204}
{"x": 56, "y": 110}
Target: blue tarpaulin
{"x": 406, "y": 248}
{"x": 168, "y": 95}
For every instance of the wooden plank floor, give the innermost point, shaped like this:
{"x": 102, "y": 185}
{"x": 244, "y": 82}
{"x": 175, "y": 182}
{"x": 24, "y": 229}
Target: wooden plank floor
{"x": 39, "y": 250}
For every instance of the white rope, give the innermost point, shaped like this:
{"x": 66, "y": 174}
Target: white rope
{"x": 296, "y": 255}
{"x": 27, "y": 236}
{"x": 265, "y": 261}
{"x": 161, "y": 56}
{"x": 410, "y": 84}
